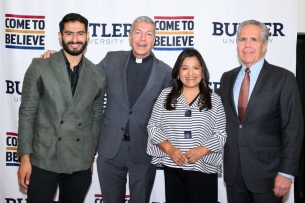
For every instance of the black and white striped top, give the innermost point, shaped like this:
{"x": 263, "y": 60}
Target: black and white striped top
{"x": 208, "y": 128}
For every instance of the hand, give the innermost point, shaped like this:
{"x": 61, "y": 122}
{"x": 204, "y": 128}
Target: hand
{"x": 281, "y": 185}
{"x": 177, "y": 156}
{"x": 47, "y": 54}
{"x": 196, "y": 153}
{"x": 24, "y": 171}
{"x": 174, "y": 153}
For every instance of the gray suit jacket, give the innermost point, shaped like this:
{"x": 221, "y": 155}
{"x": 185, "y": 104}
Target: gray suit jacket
{"x": 118, "y": 110}
{"x": 269, "y": 138}
{"x": 59, "y": 131}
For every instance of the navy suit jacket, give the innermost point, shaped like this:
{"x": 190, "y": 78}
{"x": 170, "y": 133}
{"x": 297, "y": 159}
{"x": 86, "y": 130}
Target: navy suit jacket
{"x": 269, "y": 138}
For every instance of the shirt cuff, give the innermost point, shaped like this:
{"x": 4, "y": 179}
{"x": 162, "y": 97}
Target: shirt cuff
{"x": 286, "y": 175}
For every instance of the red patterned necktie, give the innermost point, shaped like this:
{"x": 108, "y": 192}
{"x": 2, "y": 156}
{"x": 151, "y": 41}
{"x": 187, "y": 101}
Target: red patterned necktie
{"x": 243, "y": 95}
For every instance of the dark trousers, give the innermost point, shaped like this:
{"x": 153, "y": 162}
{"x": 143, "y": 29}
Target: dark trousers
{"x": 183, "y": 186}
{"x": 72, "y": 187}
{"x": 113, "y": 177}
{"x": 239, "y": 193}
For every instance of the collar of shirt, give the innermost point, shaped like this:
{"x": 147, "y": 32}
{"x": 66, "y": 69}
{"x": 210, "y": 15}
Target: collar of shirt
{"x": 77, "y": 67}
{"x": 193, "y": 104}
{"x": 143, "y": 60}
{"x": 254, "y": 70}
{"x": 254, "y": 73}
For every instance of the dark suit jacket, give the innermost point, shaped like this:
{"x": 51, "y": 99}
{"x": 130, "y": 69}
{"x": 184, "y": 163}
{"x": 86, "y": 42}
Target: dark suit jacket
{"x": 60, "y": 132}
{"x": 269, "y": 138}
{"x": 118, "y": 110}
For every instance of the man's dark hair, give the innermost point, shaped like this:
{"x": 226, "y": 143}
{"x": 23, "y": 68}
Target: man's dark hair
{"x": 71, "y": 17}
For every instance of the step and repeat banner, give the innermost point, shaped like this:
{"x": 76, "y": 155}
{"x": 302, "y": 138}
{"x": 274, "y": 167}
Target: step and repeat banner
{"x": 29, "y": 28}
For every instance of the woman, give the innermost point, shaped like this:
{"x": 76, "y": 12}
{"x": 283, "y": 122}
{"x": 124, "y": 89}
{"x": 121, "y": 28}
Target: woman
{"x": 187, "y": 133}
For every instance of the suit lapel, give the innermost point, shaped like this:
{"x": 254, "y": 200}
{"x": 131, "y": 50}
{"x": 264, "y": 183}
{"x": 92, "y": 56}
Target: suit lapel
{"x": 151, "y": 80}
{"x": 123, "y": 79}
{"x": 60, "y": 72}
{"x": 231, "y": 88}
{"x": 262, "y": 81}
{"x": 83, "y": 81}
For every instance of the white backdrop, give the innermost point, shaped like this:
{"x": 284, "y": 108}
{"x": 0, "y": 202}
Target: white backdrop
{"x": 30, "y": 27}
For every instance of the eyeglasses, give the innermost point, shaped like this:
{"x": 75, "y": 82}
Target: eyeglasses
{"x": 188, "y": 113}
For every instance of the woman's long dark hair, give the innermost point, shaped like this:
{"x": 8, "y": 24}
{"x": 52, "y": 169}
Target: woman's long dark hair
{"x": 205, "y": 91}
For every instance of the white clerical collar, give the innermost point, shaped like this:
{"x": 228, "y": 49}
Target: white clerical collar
{"x": 138, "y": 60}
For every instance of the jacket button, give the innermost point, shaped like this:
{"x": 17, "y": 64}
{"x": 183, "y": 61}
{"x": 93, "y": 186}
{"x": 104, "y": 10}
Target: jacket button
{"x": 61, "y": 122}
{"x": 77, "y": 139}
{"x": 59, "y": 138}
{"x": 241, "y": 126}
{"x": 122, "y": 128}
{"x": 130, "y": 112}
{"x": 79, "y": 124}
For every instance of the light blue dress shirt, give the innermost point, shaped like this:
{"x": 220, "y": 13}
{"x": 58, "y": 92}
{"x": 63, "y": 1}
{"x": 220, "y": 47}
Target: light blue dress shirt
{"x": 254, "y": 72}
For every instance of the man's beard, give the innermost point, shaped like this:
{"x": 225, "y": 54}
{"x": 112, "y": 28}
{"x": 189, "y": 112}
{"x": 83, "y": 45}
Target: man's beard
{"x": 74, "y": 52}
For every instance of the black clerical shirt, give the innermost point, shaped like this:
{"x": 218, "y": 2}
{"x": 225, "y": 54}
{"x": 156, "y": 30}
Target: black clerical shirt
{"x": 137, "y": 74}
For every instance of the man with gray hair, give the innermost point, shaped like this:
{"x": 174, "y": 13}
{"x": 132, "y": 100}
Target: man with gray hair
{"x": 264, "y": 122}
{"x": 135, "y": 79}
